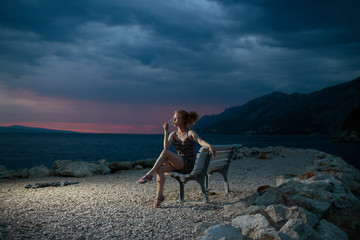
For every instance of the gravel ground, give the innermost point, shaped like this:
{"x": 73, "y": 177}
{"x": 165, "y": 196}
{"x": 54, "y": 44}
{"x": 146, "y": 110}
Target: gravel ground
{"x": 116, "y": 207}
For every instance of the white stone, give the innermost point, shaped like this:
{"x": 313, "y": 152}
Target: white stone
{"x": 252, "y": 225}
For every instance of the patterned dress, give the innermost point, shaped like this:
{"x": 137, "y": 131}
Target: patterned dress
{"x": 186, "y": 149}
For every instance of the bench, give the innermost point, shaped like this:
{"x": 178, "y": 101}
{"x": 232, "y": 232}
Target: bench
{"x": 206, "y": 164}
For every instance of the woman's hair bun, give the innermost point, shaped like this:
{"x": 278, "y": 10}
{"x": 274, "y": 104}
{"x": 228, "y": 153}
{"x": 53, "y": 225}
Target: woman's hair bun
{"x": 193, "y": 117}
{"x": 189, "y": 118}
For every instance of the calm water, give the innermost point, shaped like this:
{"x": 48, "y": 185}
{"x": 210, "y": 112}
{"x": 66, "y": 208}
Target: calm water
{"x": 20, "y": 150}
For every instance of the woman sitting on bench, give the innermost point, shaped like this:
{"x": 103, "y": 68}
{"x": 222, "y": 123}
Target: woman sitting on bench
{"x": 184, "y": 143}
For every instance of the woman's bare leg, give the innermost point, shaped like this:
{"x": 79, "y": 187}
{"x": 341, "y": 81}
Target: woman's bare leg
{"x": 160, "y": 180}
{"x": 175, "y": 160}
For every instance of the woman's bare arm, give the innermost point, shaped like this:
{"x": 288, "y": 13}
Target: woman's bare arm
{"x": 168, "y": 139}
{"x": 202, "y": 142}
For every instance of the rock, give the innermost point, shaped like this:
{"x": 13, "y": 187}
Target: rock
{"x": 318, "y": 208}
{"x": 292, "y": 187}
{"x": 118, "y": 166}
{"x": 22, "y": 173}
{"x": 273, "y": 235}
{"x": 235, "y": 207}
{"x": 320, "y": 155}
{"x": 145, "y": 163}
{"x": 329, "y": 231}
{"x": 67, "y": 168}
{"x": 351, "y": 180}
{"x": 245, "y": 152}
{"x": 253, "y": 209}
{"x": 227, "y": 232}
{"x": 281, "y": 179}
{"x": 52, "y": 184}
{"x": 280, "y": 214}
{"x": 347, "y": 219}
{"x": 254, "y": 151}
{"x": 7, "y": 174}
{"x": 252, "y": 225}
{"x": 270, "y": 196}
{"x": 201, "y": 227}
{"x": 262, "y": 188}
{"x": 139, "y": 167}
{"x": 39, "y": 171}
{"x": 298, "y": 229}
{"x": 101, "y": 167}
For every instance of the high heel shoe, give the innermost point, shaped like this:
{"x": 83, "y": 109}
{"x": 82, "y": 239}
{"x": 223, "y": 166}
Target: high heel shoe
{"x": 159, "y": 201}
{"x": 145, "y": 179}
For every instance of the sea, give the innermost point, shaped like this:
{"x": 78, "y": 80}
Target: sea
{"x": 26, "y": 150}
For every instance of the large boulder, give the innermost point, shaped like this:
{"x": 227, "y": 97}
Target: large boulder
{"x": 252, "y": 226}
{"x": 329, "y": 231}
{"x": 67, "y": 168}
{"x": 145, "y": 163}
{"x": 6, "y": 174}
{"x": 22, "y": 173}
{"x": 118, "y": 166}
{"x": 270, "y": 196}
{"x": 280, "y": 214}
{"x": 347, "y": 219}
{"x": 319, "y": 208}
{"x": 298, "y": 229}
{"x": 227, "y": 232}
{"x": 39, "y": 171}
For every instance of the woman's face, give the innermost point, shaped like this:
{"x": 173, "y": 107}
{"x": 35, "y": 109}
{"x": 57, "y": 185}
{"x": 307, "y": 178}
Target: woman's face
{"x": 178, "y": 121}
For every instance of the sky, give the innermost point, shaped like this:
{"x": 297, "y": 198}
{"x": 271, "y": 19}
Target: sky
{"x": 124, "y": 66}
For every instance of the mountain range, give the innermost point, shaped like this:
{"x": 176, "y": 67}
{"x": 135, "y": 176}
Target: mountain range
{"x": 24, "y": 129}
{"x": 330, "y": 111}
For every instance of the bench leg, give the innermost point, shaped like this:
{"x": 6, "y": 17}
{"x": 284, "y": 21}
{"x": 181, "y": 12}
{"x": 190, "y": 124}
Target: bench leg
{"x": 224, "y": 173}
{"x": 226, "y": 184}
{"x": 181, "y": 184}
{"x": 181, "y": 191}
{"x": 201, "y": 181}
{"x": 207, "y": 176}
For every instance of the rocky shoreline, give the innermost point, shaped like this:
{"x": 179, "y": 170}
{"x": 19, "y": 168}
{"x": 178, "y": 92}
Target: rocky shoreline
{"x": 276, "y": 193}
{"x": 68, "y": 168}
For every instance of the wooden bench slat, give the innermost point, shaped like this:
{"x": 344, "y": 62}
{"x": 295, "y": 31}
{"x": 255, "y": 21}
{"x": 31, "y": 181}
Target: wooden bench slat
{"x": 217, "y": 164}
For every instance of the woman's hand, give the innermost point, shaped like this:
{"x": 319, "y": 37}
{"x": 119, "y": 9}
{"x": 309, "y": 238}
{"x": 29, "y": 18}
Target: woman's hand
{"x": 212, "y": 151}
{"x": 166, "y": 127}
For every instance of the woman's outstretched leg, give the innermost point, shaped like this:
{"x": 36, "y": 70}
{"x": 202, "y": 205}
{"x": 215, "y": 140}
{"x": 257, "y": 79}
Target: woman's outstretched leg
{"x": 175, "y": 160}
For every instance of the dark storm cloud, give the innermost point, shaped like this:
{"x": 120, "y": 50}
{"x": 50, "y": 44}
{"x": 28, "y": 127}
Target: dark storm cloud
{"x": 224, "y": 52}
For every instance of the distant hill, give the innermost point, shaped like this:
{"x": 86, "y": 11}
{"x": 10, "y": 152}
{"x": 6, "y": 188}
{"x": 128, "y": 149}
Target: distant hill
{"x": 24, "y": 129}
{"x": 320, "y": 112}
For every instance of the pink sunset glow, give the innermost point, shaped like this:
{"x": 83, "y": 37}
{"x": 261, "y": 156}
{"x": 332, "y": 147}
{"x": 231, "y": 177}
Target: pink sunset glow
{"x": 87, "y": 116}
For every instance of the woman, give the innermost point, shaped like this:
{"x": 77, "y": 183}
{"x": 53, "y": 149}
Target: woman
{"x": 184, "y": 143}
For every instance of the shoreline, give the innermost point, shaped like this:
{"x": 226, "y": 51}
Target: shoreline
{"x": 113, "y": 206}
{"x": 30, "y": 151}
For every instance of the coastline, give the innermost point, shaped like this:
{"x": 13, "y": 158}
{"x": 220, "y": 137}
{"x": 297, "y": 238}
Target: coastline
{"x": 113, "y": 206}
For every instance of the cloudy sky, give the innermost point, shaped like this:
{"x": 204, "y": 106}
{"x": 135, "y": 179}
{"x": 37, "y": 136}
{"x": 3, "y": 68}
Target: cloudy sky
{"x": 124, "y": 66}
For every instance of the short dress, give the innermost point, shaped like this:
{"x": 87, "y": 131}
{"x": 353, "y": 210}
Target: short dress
{"x": 186, "y": 149}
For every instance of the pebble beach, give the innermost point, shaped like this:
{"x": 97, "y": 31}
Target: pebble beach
{"x": 114, "y": 206}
